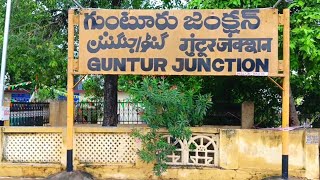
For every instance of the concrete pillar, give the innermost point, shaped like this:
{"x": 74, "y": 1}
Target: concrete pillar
{"x": 312, "y": 154}
{"x": 58, "y": 113}
{"x": 54, "y": 113}
{"x": 247, "y": 115}
{"x": 229, "y": 149}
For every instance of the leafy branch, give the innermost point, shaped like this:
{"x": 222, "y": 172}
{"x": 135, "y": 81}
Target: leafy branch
{"x": 170, "y": 107}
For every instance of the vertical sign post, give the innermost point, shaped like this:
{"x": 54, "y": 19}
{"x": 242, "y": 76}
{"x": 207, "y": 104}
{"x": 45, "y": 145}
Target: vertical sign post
{"x": 4, "y": 56}
{"x": 285, "y": 93}
{"x": 70, "y": 98}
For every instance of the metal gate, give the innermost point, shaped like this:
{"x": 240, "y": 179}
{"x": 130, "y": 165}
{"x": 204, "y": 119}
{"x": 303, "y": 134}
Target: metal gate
{"x": 29, "y": 114}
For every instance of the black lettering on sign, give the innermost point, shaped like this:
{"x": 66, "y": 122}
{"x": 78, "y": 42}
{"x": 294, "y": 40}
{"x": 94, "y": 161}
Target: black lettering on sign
{"x": 112, "y": 22}
{"x": 230, "y": 61}
{"x": 144, "y": 67}
{"x": 96, "y": 22}
{"x": 230, "y": 23}
{"x": 160, "y": 63}
{"x": 162, "y": 21}
{"x": 212, "y": 22}
{"x": 147, "y": 21}
{"x": 256, "y": 67}
{"x": 193, "y": 22}
{"x": 119, "y": 64}
{"x": 224, "y": 44}
{"x": 238, "y": 64}
{"x": 250, "y": 14}
{"x": 205, "y": 64}
{"x": 121, "y": 42}
{"x": 134, "y": 22}
{"x": 263, "y": 65}
{"x": 151, "y": 42}
{"x": 192, "y": 44}
{"x": 94, "y": 64}
{"x": 190, "y": 65}
{"x": 248, "y": 65}
{"x": 133, "y": 61}
{"x": 106, "y": 65}
{"x": 180, "y": 66}
{"x": 217, "y": 67}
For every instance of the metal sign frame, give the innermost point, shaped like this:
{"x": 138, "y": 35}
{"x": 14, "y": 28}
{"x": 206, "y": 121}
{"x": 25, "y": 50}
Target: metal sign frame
{"x": 283, "y": 66}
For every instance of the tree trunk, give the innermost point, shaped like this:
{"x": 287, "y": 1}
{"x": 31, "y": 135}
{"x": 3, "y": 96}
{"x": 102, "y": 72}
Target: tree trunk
{"x": 110, "y": 115}
{"x": 293, "y": 116}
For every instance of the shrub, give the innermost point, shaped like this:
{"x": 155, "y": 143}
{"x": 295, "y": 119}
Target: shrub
{"x": 166, "y": 106}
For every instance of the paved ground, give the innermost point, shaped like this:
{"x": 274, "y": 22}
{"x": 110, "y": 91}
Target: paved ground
{"x": 11, "y": 178}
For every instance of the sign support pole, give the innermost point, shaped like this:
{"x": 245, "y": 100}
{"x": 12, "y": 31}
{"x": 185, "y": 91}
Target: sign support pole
{"x": 70, "y": 97}
{"x": 285, "y": 93}
{"x": 4, "y": 54}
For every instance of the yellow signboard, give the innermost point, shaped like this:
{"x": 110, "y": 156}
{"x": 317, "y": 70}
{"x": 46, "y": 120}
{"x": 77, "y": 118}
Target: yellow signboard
{"x": 179, "y": 42}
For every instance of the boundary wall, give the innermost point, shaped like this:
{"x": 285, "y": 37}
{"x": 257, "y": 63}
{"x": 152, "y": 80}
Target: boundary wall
{"x": 219, "y": 153}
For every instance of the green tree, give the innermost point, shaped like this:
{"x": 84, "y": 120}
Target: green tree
{"x": 305, "y": 54}
{"x": 304, "y": 63}
{"x": 37, "y": 46}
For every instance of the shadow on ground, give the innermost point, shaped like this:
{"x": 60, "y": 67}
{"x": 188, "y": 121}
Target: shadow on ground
{"x": 75, "y": 175}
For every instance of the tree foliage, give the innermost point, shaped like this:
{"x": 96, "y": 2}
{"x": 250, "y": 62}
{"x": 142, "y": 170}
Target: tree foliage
{"x": 37, "y": 46}
{"x": 304, "y": 60}
{"x": 305, "y": 53}
{"x": 172, "y": 107}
